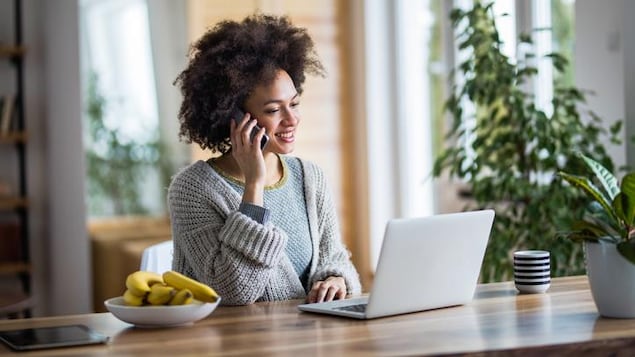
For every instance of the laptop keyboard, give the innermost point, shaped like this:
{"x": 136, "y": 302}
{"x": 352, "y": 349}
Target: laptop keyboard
{"x": 354, "y": 308}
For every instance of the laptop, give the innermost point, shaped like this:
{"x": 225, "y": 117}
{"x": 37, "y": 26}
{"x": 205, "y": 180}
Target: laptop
{"x": 425, "y": 263}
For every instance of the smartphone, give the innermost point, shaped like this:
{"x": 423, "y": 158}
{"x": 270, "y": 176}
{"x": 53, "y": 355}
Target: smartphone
{"x": 238, "y": 116}
{"x": 50, "y": 337}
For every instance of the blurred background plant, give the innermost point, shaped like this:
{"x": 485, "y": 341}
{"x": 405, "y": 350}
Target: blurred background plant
{"x": 507, "y": 150}
{"x": 118, "y": 167}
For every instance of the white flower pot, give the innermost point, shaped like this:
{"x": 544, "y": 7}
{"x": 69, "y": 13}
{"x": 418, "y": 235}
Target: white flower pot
{"x": 612, "y": 280}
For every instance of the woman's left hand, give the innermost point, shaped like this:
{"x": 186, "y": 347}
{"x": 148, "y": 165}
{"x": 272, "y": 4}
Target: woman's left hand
{"x": 333, "y": 288}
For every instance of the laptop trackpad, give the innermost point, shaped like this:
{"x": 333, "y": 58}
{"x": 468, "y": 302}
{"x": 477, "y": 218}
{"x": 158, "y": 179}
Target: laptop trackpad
{"x": 361, "y": 308}
{"x": 353, "y": 306}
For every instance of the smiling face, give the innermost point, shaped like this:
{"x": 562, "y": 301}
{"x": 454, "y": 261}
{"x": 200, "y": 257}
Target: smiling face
{"x": 276, "y": 108}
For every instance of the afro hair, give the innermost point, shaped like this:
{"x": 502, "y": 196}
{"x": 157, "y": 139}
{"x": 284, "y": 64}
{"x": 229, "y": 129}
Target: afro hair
{"x": 228, "y": 62}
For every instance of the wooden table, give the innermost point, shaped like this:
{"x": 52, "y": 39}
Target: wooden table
{"x": 561, "y": 322}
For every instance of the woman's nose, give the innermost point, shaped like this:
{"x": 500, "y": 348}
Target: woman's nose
{"x": 290, "y": 116}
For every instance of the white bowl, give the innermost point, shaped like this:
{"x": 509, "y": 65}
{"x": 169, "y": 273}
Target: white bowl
{"x": 159, "y": 316}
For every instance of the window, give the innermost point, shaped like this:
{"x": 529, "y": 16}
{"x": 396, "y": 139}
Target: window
{"x": 409, "y": 55}
{"x": 122, "y": 128}
{"x": 551, "y": 26}
{"x": 131, "y": 52}
{"x": 563, "y": 37}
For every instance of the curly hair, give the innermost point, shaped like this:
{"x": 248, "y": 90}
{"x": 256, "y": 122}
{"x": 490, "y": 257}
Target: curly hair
{"x": 228, "y": 62}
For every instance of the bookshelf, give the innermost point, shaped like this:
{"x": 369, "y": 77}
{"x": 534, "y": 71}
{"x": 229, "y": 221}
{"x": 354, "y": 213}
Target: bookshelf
{"x": 12, "y": 51}
{"x": 15, "y": 262}
{"x": 13, "y": 138}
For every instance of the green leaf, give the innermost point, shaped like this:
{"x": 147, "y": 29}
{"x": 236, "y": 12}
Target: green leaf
{"x": 581, "y": 237}
{"x": 628, "y": 198}
{"x": 525, "y": 38}
{"x": 627, "y": 249}
{"x": 593, "y": 192}
{"x": 606, "y": 178}
{"x": 602, "y": 219}
{"x": 589, "y": 228}
{"x": 559, "y": 61}
{"x": 528, "y": 71}
{"x": 618, "y": 207}
{"x": 616, "y": 127}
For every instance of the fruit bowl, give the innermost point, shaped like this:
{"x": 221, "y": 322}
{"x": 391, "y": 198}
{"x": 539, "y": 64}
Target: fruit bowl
{"x": 159, "y": 316}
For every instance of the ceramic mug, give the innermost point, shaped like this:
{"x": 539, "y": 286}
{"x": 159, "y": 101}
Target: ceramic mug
{"x": 532, "y": 271}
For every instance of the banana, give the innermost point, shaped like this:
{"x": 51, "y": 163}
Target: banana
{"x": 131, "y": 299}
{"x": 200, "y": 291}
{"x": 140, "y": 281}
{"x": 160, "y": 294}
{"x": 182, "y": 297}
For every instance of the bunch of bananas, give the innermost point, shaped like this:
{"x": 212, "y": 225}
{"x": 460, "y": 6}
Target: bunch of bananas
{"x": 171, "y": 288}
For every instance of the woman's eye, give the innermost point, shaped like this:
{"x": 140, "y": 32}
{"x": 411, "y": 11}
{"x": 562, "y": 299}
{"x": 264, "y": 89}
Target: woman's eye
{"x": 295, "y": 104}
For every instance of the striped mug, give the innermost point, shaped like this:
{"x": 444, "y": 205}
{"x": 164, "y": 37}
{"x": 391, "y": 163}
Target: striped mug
{"x": 532, "y": 271}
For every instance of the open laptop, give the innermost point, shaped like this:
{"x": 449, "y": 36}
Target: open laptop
{"x": 425, "y": 263}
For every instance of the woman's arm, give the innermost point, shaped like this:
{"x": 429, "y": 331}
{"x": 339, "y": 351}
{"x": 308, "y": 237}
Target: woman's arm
{"x": 216, "y": 244}
{"x": 334, "y": 258}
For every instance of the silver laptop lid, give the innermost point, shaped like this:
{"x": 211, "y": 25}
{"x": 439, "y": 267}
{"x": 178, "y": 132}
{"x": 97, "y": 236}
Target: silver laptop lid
{"x": 429, "y": 262}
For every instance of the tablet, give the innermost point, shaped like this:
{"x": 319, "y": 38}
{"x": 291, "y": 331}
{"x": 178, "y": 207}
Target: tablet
{"x": 49, "y": 337}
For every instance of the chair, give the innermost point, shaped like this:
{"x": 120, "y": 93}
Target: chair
{"x": 157, "y": 258}
{"x": 15, "y": 306}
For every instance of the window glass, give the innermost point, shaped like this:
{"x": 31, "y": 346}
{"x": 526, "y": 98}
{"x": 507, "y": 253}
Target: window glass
{"x": 563, "y": 29}
{"x": 437, "y": 75}
{"x": 121, "y": 119}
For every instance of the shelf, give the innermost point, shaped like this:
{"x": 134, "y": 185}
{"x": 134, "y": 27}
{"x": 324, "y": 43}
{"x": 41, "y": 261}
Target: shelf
{"x": 13, "y": 137}
{"x": 14, "y": 203}
{"x": 9, "y": 203}
{"x": 15, "y": 303}
{"x": 14, "y": 268}
{"x": 12, "y": 51}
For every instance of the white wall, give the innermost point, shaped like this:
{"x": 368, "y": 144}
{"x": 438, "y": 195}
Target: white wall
{"x": 69, "y": 268}
{"x": 59, "y": 243}
{"x": 604, "y": 63}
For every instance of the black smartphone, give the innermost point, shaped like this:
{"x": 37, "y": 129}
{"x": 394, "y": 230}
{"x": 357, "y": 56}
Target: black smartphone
{"x": 50, "y": 337}
{"x": 238, "y": 116}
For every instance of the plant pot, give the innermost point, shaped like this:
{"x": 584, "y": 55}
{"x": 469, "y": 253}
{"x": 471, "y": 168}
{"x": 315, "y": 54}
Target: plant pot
{"x": 612, "y": 280}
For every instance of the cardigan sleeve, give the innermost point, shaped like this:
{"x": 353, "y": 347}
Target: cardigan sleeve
{"x": 258, "y": 213}
{"x": 334, "y": 258}
{"x": 217, "y": 244}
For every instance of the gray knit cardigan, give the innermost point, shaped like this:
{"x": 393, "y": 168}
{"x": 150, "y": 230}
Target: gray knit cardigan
{"x": 243, "y": 260}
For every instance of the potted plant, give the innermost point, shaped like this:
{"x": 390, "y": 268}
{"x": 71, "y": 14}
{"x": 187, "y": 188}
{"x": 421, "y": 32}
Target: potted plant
{"x": 608, "y": 233}
{"x": 508, "y": 150}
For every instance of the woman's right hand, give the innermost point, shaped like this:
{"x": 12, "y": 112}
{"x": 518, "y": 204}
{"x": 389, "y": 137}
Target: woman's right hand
{"x": 249, "y": 157}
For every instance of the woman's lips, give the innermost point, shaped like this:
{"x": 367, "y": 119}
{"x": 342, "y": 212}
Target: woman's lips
{"x": 287, "y": 136}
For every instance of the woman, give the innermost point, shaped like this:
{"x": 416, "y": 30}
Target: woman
{"x": 254, "y": 223}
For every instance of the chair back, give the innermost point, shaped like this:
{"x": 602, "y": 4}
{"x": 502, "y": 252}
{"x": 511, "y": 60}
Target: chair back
{"x": 157, "y": 258}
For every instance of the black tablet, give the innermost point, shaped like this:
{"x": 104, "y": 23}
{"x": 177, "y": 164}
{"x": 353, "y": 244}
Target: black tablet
{"x": 49, "y": 337}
